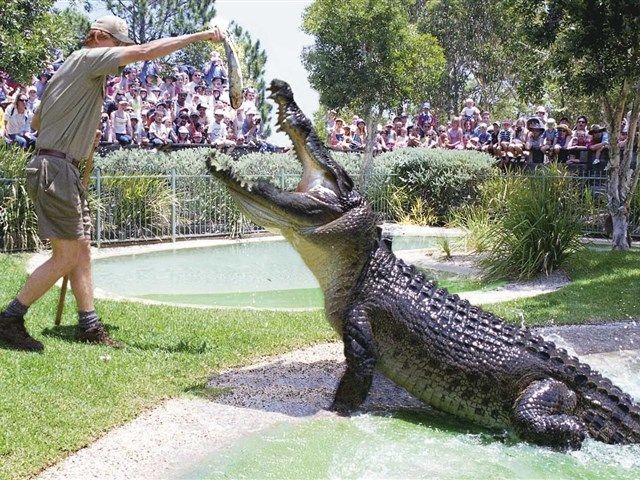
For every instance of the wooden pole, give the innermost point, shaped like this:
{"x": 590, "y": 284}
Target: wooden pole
{"x": 86, "y": 175}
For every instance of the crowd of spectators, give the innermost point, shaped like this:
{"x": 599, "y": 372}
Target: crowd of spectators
{"x": 186, "y": 106}
{"x": 532, "y": 140}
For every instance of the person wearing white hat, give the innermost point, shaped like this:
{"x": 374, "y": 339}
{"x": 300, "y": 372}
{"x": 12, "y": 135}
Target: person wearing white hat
{"x": 218, "y": 128}
{"x": 66, "y": 122}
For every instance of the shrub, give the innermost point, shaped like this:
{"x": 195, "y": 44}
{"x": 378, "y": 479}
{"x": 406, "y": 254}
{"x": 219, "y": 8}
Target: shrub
{"x": 18, "y": 221}
{"x": 535, "y": 223}
{"x": 443, "y": 179}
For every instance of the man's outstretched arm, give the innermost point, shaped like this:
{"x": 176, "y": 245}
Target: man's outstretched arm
{"x": 165, "y": 46}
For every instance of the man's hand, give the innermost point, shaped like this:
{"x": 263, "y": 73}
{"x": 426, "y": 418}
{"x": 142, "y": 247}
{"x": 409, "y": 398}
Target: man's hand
{"x": 213, "y": 34}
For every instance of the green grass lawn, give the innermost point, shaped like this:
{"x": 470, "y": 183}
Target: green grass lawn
{"x": 605, "y": 287}
{"x": 57, "y": 402}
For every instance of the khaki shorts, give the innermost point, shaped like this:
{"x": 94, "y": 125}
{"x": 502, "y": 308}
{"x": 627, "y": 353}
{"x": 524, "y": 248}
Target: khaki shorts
{"x": 60, "y": 200}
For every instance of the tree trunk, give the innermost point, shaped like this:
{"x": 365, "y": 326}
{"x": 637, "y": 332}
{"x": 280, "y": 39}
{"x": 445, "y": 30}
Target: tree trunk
{"x": 618, "y": 184}
{"x": 620, "y": 234}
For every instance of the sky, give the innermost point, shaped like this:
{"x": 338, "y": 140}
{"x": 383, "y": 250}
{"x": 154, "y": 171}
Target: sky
{"x": 276, "y": 23}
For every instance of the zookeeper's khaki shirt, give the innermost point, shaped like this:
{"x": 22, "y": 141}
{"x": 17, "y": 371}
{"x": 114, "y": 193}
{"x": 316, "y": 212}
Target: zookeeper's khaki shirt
{"x": 72, "y": 101}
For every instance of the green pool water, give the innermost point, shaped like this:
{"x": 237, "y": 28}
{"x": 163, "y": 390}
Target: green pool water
{"x": 414, "y": 445}
{"x": 268, "y": 274}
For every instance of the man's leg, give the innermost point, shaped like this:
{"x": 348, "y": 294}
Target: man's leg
{"x": 90, "y": 329}
{"x": 12, "y": 329}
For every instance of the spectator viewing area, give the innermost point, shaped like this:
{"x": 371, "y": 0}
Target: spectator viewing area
{"x": 369, "y": 239}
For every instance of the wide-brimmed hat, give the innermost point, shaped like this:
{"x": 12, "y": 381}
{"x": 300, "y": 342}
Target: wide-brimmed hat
{"x": 563, "y": 127}
{"x": 114, "y": 26}
{"x": 595, "y": 128}
{"x": 551, "y": 123}
{"x": 183, "y": 130}
{"x": 534, "y": 124}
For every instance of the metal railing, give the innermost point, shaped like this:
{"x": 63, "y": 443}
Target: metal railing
{"x": 138, "y": 208}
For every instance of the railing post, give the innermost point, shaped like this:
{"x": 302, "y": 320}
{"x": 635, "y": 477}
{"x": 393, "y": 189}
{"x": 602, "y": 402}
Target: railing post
{"x": 99, "y": 210}
{"x": 174, "y": 200}
{"x": 281, "y": 178}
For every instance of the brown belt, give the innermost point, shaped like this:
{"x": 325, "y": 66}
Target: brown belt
{"x": 58, "y": 154}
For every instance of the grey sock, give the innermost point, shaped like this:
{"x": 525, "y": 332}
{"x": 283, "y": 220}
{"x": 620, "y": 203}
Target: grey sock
{"x": 16, "y": 309}
{"x": 88, "y": 320}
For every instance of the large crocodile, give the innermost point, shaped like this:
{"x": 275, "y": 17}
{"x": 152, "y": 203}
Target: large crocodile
{"x": 451, "y": 355}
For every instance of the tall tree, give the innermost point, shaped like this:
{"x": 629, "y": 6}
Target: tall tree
{"x": 29, "y": 31}
{"x": 152, "y": 19}
{"x": 368, "y": 57}
{"x": 594, "y": 45}
{"x": 477, "y": 62}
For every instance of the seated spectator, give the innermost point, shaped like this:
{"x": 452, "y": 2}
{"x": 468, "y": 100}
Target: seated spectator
{"x": 105, "y": 128}
{"x": 549, "y": 136}
{"x": 330, "y": 121}
{"x": 413, "y": 137}
{"x": 32, "y": 99}
{"x": 215, "y": 68}
{"x": 137, "y": 132}
{"x": 168, "y": 85}
{"x": 535, "y": 141}
{"x": 483, "y": 140}
{"x": 518, "y": 140}
{"x": 581, "y": 124}
{"x": 158, "y": 133}
{"x": 443, "y": 137}
{"x": 402, "y": 140}
{"x": 183, "y": 136}
{"x": 172, "y": 136}
{"x": 598, "y": 142}
{"x": 337, "y": 137}
{"x": 218, "y": 129}
{"x": 541, "y": 113}
{"x": 40, "y": 85}
{"x": 18, "y": 123}
{"x": 154, "y": 94}
{"x": 494, "y": 147}
{"x": 379, "y": 145}
{"x": 426, "y": 119}
{"x": 202, "y": 108}
{"x": 348, "y": 140}
{"x": 470, "y": 112}
{"x": 390, "y": 137}
{"x": 4, "y": 89}
{"x": 455, "y": 135}
{"x": 504, "y": 140}
{"x": 578, "y": 146}
{"x": 430, "y": 138}
{"x": 121, "y": 124}
{"x": 562, "y": 143}
{"x": 196, "y": 79}
{"x": 360, "y": 135}
{"x": 198, "y": 138}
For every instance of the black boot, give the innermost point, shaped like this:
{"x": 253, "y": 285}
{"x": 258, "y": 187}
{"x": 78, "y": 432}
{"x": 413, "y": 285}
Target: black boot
{"x": 14, "y": 334}
{"x": 97, "y": 335}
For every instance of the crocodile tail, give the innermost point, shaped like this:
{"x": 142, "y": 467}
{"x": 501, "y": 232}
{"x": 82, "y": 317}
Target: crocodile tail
{"x": 610, "y": 415}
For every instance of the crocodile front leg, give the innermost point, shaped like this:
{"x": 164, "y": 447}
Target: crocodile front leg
{"x": 360, "y": 354}
{"x": 542, "y": 414}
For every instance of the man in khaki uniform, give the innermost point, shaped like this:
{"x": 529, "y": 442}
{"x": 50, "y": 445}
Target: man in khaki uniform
{"x": 66, "y": 121}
